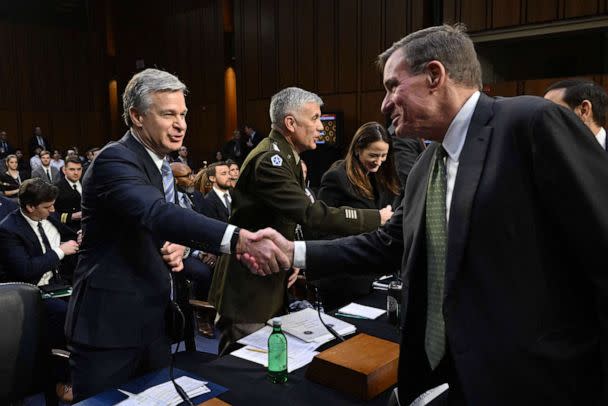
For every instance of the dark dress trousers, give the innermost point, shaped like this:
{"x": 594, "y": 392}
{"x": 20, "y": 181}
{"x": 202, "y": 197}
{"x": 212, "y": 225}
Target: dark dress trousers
{"x": 214, "y": 208}
{"x": 526, "y": 293}
{"x": 67, "y": 203}
{"x": 122, "y": 285}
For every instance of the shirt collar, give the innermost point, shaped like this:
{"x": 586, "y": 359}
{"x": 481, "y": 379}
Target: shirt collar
{"x": 220, "y": 193}
{"x": 601, "y": 137}
{"x": 158, "y": 160}
{"x": 32, "y": 223}
{"x": 72, "y": 183}
{"x": 457, "y": 131}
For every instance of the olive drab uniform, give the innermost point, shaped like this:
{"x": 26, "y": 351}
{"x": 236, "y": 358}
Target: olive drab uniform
{"x": 270, "y": 193}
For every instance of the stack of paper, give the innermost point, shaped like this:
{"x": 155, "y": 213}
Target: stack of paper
{"x": 382, "y": 282}
{"x": 306, "y": 326}
{"x": 165, "y": 393}
{"x": 364, "y": 312}
{"x": 299, "y": 353}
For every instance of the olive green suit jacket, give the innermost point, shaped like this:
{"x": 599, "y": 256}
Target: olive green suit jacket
{"x": 270, "y": 193}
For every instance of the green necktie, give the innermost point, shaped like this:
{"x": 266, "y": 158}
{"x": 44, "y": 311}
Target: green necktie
{"x": 436, "y": 248}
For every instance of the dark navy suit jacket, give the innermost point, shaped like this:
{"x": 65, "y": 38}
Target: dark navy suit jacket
{"x": 6, "y": 207}
{"x": 20, "y": 251}
{"x": 121, "y": 283}
{"x": 526, "y": 293}
{"x": 214, "y": 208}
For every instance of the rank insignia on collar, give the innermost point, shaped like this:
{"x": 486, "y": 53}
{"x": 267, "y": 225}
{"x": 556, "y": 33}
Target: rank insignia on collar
{"x": 276, "y": 160}
{"x": 275, "y": 147}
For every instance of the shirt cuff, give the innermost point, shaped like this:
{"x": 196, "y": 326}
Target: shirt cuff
{"x": 299, "y": 254}
{"x": 59, "y": 253}
{"x": 225, "y": 245}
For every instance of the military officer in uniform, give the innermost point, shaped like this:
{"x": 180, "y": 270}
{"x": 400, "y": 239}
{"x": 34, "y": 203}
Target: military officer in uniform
{"x": 270, "y": 193}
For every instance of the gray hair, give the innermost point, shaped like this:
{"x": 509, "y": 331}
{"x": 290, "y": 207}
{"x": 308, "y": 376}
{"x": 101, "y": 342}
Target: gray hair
{"x": 142, "y": 85}
{"x": 289, "y": 101}
{"x": 448, "y": 44}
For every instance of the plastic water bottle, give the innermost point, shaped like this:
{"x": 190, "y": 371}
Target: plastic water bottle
{"x": 277, "y": 353}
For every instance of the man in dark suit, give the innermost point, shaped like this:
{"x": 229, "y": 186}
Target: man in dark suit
{"x": 133, "y": 238}
{"x": 35, "y": 248}
{"x": 6, "y": 207}
{"x": 217, "y": 202}
{"x": 39, "y": 140}
{"x": 46, "y": 171}
{"x": 234, "y": 149}
{"x": 5, "y": 147}
{"x": 510, "y": 301}
{"x": 67, "y": 204}
{"x": 587, "y": 100}
{"x": 253, "y": 138}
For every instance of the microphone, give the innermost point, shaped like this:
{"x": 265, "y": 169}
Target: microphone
{"x": 319, "y": 304}
{"x": 182, "y": 393}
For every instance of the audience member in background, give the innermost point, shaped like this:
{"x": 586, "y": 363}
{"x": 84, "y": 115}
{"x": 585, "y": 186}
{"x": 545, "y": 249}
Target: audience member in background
{"x": 234, "y": 149}
{"x": 5, "y": 147}
{"x": 309, "y": 192}
{"x": 235, "y": 171}
{"x": 45, "y": 171}
{"x": 35, "y": 162}
{"x": 24, "y": 163}
{"x": 219, "y": 156}
{"x": 39, "y": 140}
{"x": 587, "y": 100}
{"x": 77, "y": 153}
{"x": 184, "y": 180}
{"x": 252, "y": 140}
{"x": 33, "y": 246}
{"x": 68, "y": 203}
{"x": 366, "y": 178}
{"x": 12, "y": 178}
{"x": 270, "y": 193}
{"x": 90, "y": 155}
{"x": 202, "y": 182}
{"x": 218, "y": 202}
{"x": 182, "y": 156}
{"x": 57, "y": 162}
{"x": 133, "y": 241}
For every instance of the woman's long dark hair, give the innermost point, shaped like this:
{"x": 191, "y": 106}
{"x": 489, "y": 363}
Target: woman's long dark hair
{"x": 386, "y": 177}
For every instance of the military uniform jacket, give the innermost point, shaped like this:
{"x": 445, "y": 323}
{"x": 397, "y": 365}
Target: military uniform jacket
{"x": 270, "y": 193}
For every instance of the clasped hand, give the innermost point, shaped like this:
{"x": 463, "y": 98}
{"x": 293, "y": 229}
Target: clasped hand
{"x": 264, "y": 252}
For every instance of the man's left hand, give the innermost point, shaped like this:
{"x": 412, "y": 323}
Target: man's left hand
{"x": 173, "y": 255}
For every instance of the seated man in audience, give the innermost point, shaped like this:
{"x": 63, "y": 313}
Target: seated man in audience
{"x": 35, "y": 162}
{"x": 46, "y": 171}
{"x": 270, "y": 193}
{"x": 218, "y": 201}
{"x": 32, "y": 251}
{"x": 587, "y": 100}
{"x": 190, "y": 198}
{"x": 67, "y": 204}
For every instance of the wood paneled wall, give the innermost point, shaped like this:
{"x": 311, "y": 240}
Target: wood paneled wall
{"x": 481, "y": 15}
{"x": 184, "y": 37}
{"x": 53, "y": 77}
{"x": 325, "y": 46}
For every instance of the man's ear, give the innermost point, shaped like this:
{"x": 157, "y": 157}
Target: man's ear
{"x": 436, "y": 74}
{"x": 136, "y": 118}
{"x": 586, "y": 111}
{"x": 290, "y": 123}
{"x": 29, "y": 208}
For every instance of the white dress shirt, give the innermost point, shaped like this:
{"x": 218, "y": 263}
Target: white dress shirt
{"x": 158, "y": 161}
{"x": 452, "y": 142}
{"x": 78, "y": 185}
{"x": 601, "y": 137}
{"x": 221, "y": 193}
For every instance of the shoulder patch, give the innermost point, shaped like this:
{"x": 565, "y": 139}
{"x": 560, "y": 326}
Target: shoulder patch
{"x": 276, "y": 160}
{"x": 275, "y": 147}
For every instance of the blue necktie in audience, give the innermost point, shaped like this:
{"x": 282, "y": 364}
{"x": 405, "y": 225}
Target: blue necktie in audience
{"x": 168, "y": 182}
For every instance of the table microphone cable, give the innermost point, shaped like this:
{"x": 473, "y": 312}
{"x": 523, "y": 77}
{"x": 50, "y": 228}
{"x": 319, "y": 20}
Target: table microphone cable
{"x": 327, "y": 326}
{"x": 182, "y": 393}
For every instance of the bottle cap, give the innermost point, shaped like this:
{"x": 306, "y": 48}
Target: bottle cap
{"x": 276, "y": 322}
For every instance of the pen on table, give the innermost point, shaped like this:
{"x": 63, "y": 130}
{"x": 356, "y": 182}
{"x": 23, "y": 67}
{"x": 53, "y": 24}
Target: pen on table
{"x": 257, "y": 350}
{"x": 352, "y": 316}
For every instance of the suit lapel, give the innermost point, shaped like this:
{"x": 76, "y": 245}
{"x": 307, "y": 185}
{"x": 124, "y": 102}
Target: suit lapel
{"x": 149, "y": 167}
{"x": 23, "y": 226}
{"x": 470, "y": 168}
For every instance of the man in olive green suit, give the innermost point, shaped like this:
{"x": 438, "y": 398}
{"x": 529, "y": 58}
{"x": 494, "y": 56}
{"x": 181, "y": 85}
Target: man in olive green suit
{"x": 270, "y": 193}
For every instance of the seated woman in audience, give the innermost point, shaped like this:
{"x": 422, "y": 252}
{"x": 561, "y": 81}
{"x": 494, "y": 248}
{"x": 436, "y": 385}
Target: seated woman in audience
{"x": 11, "y": 179}
{"x": 366, "y": 178}
{"x": 202, "y": 182}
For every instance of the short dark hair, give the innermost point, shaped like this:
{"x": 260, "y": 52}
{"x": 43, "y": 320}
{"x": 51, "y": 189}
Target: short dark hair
{"x": 211, "y": 168}
{"x": 73, "y": 160}
{"x": 44, "y": 152}
{"x": 35, "y": 191}
{"x": 578, "y": 90}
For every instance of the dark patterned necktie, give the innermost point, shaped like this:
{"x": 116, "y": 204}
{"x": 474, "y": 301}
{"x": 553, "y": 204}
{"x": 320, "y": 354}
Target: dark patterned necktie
{"x": 45, "y": 240}
{"x": 48, "y": 174}
{"x": 168, "y": 182}
{"x": 436, "y": 248}
{"x": 228, "y": 205}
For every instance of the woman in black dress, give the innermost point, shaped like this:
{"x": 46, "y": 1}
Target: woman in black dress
{"x": 11, "y": 179}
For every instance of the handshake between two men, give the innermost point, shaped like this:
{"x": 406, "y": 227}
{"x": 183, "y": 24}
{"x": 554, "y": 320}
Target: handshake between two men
{"x": 264, "y": 252}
